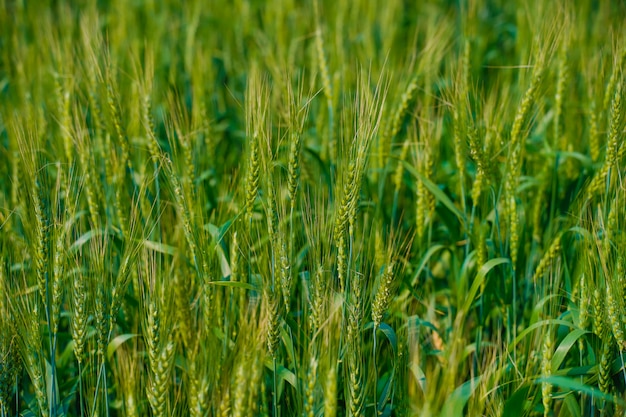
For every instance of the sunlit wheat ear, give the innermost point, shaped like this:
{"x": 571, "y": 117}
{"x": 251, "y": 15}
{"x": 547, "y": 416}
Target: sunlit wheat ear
{"x": 272, "y": 215}
{"x": 126, "y": 371}
{"x": 477, "y": 153}
{"x": 64, "y": 97}
{"x": 615, "y": 127}
{"x": 393, "y": 126}
{"x": 425, "y": 202}
{"x": 329, "y": 147}
{"x": 614, "y": 311}
{"x": 330, "y": 392}
{"x": 342, "y": 263}
{"x": 354, "y": 345}
{"x": 57, "y": 278}
{"x": 182, "y": 287}
{"x": 257, "y": 96}
{"x": 594, "y": 134}
{"x": 311, "y": 379}
{"x": 101, "y": 321}
{"x": 10, "y": 369}
{"x": 146, "y": 77}
{"x": 127, "y": 268}
{"x": 15, "y": 179}
{"x": 31, "y": 352}
{"x": 79, "y": 316}
{"x": 599, "y": 315}
{"x": 563, "y": 77}
{"x": 546, "y": 371}
{"x": 513, "y": 231}
{"x": 115, "y": 115}
{"x": 198, "y": 392}
{"x": 252, "y": 184}
{"x": 460, "y": 127}
{"x": 399, "y": 173}
{"x": 9, "y": 354}
{"x": 255, "y": 382}
{"x": 317, "y": 298}
{"x": 345, "y": 219}
{"x": 153, "y": 332}
{"x": 584, "y": 304}
{"x": 605, "y": 360}
{"x": 297, "y": 120}
{"x": 185, "y": 213}
{"x": 160, "y": 379}
{"x": 40, "y": 252}
{"x": 383, "y": 295}
{"x": 240, "y": 386}
{"x": 272, "y": 312}
{"x": 85, "y": 151}
{"x": 293, "y": 167}
{"x": 548, "y": 258}
{"x": 616, "y": 73}
{"x": 347, "y": 200}
{"x": 224, "y": 409}
{"x": 614, "y": 148}
{"x": 355, "y": 387}
{"x": 285, "y": 275}
{"x": 517, "y": 154}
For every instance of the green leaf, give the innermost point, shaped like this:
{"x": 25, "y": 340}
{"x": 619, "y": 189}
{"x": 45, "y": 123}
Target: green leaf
{"x": 224, "y": 265}
{"x": 575, "y": 385}
{"x": 458, "y": 399}
{"x": 234, "y": 284}
{"x": 117, "y": 342}
{"x": 213, "y": 230}
{"x": 282, "y": 373}
{"x": 479, "y": 280}
{"x": 84, "y": 238}
{"x": 52, "y": 385}
{"x": 160, "y": 247}
{"x": 217, "y": 233}
{"x": 564, "y": 347}
{"x": 419, "y": 375}
{"x": 429, "y": 254}
{"x": 224, "y": 229}
{"x": 517, "y": 403}
{"x": 585, "y": 160}
{"x": 415, "y": 321}
{"x": 436, "y": 191}
{"x": 571, "y": 404}
{"x": 389, "y": 333}
{"x": 67, "y": 355}
{"x": 580, "y": 231}
{"x": 285, "y": 334}
{"x": 535, "y": 326}
{"x": 391, "y": 336}
{"x": 386, "y": 392}
{"x": 538, "y": 308}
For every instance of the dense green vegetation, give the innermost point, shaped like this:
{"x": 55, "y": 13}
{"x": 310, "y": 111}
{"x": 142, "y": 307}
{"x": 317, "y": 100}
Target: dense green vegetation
{"x": 307, "y": 208}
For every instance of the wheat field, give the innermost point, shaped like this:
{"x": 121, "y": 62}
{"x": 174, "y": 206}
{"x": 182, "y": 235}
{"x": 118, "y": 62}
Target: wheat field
{"x": 312, "y": 208}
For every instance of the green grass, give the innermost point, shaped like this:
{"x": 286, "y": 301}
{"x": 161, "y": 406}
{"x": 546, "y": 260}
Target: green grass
{"x": 312, "y": 208}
